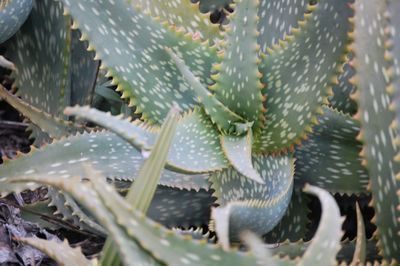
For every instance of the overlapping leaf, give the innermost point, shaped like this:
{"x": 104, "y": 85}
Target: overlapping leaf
{"x": 238, "y": 84}
{"x": 105, "y": 151}
{"x": 132, "y": 47}
{"x": 12, "y": 15}
{"x": 277, "y": 18}
{"x": 374, "y": 97}
{"x": 248, "y": 205}
{"x": 299, "y": 73}
{"x": 330, "y": 157}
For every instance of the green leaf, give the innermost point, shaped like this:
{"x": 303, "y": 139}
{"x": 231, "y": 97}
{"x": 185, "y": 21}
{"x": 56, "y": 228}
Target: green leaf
{"x": 360, "y": 250}
{"x": 299, "y": 73}
{"x": 341, "y": 99}
{"x": 131, "y": 46}
{"x": 56, "y": 128}
{"x": 225, "y": 119}
{"x": 238, "y": 84}
{"x": 330, "y": 157}
{"x": 12, "y": 15}
{"x": 326, "y": 242}
{"x": 248, "y": 205}
{"x": 136, "y": 133}
{"x": 71, "y": 211}
{"x": 295, "y": 222}
{"x": 105, "y": 151}
{"x": 297, "y": 249}
{"x": 277, "y": 18}
{"x": 83, "y": 72}
{"x": 238, "y": 151}
{"x": 195, "y": 147}
{"x": 166, "y": 245}
{"x": 377, "y": 131}
{"x": 184, "y": 15}
{"x": 41, "y": 53}
{"x": 61, "y": 252}
{"x": 256, "y": 246}
{"x": 143, "y": 189}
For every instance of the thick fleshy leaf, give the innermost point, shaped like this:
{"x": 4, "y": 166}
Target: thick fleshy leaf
{"x": 83, "y": 71}
{"x": 294, "y": 224}
{"x": 163, "y": 244}
{"x": 12, "y": 15}
{"x": 136, "y": 133}
{"x": 330, "y": 157}
{"x": 196, "y": 146}
{"x": 69, "y": 210}
{"x": 55, "y": 127}
{"x": 374, "y": 96}
{"x": 225, "y": 119}
{"x": 61, "y": 252}
{"x": 277, "y": 18}
{"x": 41, "y": 53}
{"x": 256, "y": 245}
{"x": 297, "y": 249}
{"x": 238, "y": 151}
{"x": 299, "y": 73}
{"x": 238, "y": 84}
{"x": 105, "y": 151}
{"x": 183, "y": 14}
{"x": 341, "y": 99}
{"x": 360, "y": 250}
{"x": 394, "y": 9}
{"x": 248, "y": 205}
{"x": 131, "y": 45}
{"x": 326, "y": 242}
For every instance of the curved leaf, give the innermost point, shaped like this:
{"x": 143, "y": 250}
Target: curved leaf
{"x": 299, "y": 73}
{"x": 105, "y": 151}
{"x": 248, "y": 205}
{"x": 12, "y": 15}
{"x": 238, "y": 84}
{"x": 238, "y": 151}
{"x": 131, "y": 46}
{"x": 326, "y": 242}
{"x": 374, "y": 96}
{"x": 330, "y": 157}
{"x": 61, "y": 252}
{"x": 195, "y": 147}
{"x": 41, "y": 53}
{"x": 277, "y": 18}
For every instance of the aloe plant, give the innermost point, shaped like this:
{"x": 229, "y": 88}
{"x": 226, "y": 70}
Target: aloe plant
{"x": 255, "y": 95}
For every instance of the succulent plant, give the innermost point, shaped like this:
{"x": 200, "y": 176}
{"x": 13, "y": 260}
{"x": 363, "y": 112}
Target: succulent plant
{"x": 255, "y": 93}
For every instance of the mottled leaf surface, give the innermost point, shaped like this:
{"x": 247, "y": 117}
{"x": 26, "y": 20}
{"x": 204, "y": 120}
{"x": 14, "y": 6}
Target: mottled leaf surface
{"x": 374, "y": 83}
{"x": 195, "y": 147}
{"x": 298, "y": 74}
{"x": 293, "y": 226}
{"x": 182, "y": 14}
{"x": 249, "y": 205}
{"x": 132, "y": 46}
{"x": 341, "y": 99}
{"x": 238, "y": 151}
{"x": 277, "y": 18}
{"x": 83, "y": 71}
{"x": 330, "y": 157}
{"x": 105, "y": 151}
{"x": 12, "y": 15}
{"x": 238, "y": 84}
{"x": 41, "y": 53}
